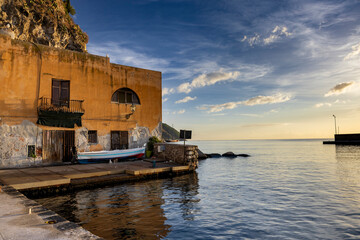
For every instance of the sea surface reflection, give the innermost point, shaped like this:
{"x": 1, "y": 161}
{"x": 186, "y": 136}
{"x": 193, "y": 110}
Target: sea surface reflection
{"x": 131, "y": 211}
{"x": 287, "y": 189}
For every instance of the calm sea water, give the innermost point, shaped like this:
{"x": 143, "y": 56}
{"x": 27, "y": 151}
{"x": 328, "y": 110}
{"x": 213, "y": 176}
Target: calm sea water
{"x": 290, "y": 189}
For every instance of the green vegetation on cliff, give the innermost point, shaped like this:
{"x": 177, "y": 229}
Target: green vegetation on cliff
{"x": 46, "y": 22}
{"x": 169, "y": 133}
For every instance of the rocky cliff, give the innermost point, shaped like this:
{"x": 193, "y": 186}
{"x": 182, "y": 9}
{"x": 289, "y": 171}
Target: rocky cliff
{"x": 44, "y": 22}
{"x": 169, "y": 133}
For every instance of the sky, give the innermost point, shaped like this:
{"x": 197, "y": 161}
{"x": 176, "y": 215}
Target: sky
{"x": 239, "y": 69}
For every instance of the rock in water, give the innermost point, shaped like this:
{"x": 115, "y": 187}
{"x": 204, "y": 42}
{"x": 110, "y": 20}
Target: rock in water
{"x": 213, "y": 155}
{"x": 243, "y": 155}
{"x": 42, "y": 21}
{"x": 201, "y": 155}
{"x": 229, "y": 154}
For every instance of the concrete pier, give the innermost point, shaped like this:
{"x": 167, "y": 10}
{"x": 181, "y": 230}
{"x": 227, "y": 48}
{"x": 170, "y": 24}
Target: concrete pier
{"x": 22, "y": 218}
{"x": 65, "y": 177}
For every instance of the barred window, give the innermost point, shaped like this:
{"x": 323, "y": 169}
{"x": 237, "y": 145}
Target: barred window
{"x": 92, "y": 136}
{"x": 126, "y": 96}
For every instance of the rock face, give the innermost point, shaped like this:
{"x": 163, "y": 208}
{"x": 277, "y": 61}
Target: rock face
{"x": 41, "y": 21}
{"x": 169, "y": 133}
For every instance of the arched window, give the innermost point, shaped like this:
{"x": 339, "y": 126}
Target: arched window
{"x": 126, "y": 96}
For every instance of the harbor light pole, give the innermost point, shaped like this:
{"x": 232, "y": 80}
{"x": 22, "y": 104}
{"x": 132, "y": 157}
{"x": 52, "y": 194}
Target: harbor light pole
{"x": 335, "y": 123}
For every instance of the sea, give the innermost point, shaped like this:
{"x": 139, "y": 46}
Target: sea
{"x": 286, "y": 189}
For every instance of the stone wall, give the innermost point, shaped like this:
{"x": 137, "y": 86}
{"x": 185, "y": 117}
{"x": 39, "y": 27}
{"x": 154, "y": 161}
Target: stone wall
{"x": 175, "y": 153}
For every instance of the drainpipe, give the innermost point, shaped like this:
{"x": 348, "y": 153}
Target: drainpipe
{"x": 37, "y": 89}
{"x": 39, "y": 74}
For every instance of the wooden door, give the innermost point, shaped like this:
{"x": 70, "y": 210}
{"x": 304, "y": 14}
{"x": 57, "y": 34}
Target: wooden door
{"x": 53, "y": 146}
{"x": 69, "y": 143}
{"x": 124, "y": 139}
{"x": 119, "y": 140}
{"x": 60, "y": 93}
{"x": 57, "y": 146}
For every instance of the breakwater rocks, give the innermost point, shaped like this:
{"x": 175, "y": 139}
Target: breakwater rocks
{"x": 218, "y": 155}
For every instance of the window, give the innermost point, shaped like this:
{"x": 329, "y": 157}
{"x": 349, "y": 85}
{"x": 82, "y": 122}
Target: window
{"x": 126, "y": 96}
{"x": 92, "y": 136}
{"x": 60, "y": 92}
{"x": 31, "y": 151}
{"x": 119, "y": 140}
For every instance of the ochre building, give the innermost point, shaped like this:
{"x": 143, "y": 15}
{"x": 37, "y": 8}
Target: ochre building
{"x": 52, "y": 100}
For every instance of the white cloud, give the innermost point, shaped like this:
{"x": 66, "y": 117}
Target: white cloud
{"x": 207, "y": 80}
{"x": 277, "y": 33}
{"x": 355, "y": 52}
{"x": 339, "y": 89}
{"x": 277, "y": 98}
{"x": 341, "y": 101}
{"x": 166, "y": 91}
{"x": 182, "y": 111}
{"x": 319, "y": 105}
{"x": 259, "y": 100}
{"x": 164, "y": 100}
{"x": 186, "y": 99}
{"x": 252, "y": 40}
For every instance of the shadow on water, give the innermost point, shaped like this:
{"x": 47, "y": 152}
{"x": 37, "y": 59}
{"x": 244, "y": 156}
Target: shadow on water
{"x": 129, "y": 211}
{"x": 348, "y": 164}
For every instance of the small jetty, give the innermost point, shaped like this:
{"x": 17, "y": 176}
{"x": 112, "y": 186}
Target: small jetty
{"x": 345, "y": 139}
{"x": 55, "y": 179}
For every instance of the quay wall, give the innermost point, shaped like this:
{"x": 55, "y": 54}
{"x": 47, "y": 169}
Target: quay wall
{"x": 27, "y": 71}
{"x": 347, "y": 137}
{"x": 175, "y": 152}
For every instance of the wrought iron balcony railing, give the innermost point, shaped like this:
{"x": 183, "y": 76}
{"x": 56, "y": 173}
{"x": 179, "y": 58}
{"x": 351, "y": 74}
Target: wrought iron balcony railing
{"x": 71, "y": 106}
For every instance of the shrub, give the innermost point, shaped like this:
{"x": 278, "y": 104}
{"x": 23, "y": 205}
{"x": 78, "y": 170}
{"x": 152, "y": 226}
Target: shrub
{"x": 151, "y": 142}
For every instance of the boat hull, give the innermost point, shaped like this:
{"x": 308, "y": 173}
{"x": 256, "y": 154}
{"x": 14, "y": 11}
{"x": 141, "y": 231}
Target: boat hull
{"x": 105, "y": 156}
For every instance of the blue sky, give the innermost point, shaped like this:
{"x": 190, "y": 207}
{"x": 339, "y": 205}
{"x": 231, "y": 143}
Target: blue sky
{"x": 237, "y": 69}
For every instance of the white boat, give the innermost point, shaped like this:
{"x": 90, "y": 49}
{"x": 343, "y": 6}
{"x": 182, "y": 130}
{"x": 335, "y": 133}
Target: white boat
{"x": 105, "y": 156}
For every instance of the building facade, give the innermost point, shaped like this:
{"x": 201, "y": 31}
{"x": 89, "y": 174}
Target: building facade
{"x": 52, "y": 100}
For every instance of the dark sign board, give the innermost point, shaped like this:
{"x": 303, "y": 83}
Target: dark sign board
{"x": 185, "y": 134}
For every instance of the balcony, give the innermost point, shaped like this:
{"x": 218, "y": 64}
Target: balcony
{"x": 57, "y": 113}
{"x": 71, "y": 106}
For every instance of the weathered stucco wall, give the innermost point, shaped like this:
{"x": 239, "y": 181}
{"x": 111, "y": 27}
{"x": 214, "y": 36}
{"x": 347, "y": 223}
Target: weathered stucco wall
{"x": 26, "y": 73}
{"x": 14, "y": 144}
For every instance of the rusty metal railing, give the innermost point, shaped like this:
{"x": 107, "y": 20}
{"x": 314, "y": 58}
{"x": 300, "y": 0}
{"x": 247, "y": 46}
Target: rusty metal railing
{"x": 72, "y": 106}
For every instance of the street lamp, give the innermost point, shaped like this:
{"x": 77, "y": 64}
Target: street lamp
{"x": 335, "y": 123}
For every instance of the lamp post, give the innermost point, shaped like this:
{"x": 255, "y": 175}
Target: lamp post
{"x": 335, "y": 123}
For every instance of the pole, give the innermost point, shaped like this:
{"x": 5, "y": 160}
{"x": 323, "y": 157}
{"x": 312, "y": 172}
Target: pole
{"x": 184, "y": 150}
{"x": 335, "y": 123}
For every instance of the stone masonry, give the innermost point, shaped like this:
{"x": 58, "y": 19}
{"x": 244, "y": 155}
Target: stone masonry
{"x": 175, "y": 152}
